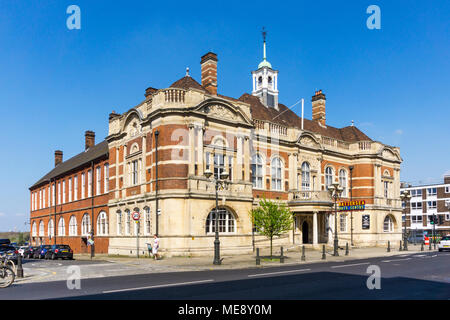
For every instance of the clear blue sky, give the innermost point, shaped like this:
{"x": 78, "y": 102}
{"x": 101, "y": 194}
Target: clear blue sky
{"x": 56, "y": 83}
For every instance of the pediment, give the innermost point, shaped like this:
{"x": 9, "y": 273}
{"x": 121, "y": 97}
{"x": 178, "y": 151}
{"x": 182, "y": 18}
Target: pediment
{"x": 307, "y": 140}
{"x": 223, "y": 111}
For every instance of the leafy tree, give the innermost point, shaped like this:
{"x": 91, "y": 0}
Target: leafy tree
{"x": 271, "y": 219}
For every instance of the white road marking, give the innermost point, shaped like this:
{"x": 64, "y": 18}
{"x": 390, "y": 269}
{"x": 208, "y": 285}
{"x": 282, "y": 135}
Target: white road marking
{"x": 350, "y": 265}
{"x": 160, "y": 286}
{"x": 279, "y": 272}
{"x": 396, "y": 260}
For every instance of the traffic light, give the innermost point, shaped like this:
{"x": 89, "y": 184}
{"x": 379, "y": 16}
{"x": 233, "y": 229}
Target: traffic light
{"x": 441, "y": 219}
{"x": 433, "y": 219}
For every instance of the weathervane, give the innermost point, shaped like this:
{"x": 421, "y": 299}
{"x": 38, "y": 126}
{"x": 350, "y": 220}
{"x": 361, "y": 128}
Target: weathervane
{"x": 264, "y": 33}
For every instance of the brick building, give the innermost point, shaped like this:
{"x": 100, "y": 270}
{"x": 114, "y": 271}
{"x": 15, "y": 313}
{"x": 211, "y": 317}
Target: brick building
{"x": 159, "y": 150}
{"x": 426, "y": 201}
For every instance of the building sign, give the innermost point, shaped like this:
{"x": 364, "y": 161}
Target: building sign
{"x": 366, "y": 222}
{"x": 352, "y": 205}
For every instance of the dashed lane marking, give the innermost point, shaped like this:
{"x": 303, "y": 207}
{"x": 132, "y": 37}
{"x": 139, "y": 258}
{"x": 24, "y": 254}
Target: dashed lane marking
{"x": 351, "y": 265}
{"x": 395, "y": 260}
{"x": 160, "y": 286}
{"x": 279, "y": 272}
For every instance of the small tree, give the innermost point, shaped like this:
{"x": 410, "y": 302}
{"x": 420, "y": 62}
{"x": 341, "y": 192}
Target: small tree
{"x": 271, "y": 219}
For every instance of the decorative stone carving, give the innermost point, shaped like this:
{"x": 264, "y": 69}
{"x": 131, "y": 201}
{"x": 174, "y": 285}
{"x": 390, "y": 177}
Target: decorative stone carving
{"x": 387, "y": 154}
{"x": 221, "y": 112}
{"x": 307, "y": 141}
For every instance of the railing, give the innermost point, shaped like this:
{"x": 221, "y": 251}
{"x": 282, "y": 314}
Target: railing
{"x": 259, "y": 124}
{"x": 174, "y": 95}
{"x": 322, "y": 196}
{"x": 275, "y": 128}
{"x": 365, "y": 145}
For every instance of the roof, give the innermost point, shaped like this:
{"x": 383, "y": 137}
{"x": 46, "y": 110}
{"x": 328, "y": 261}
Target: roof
{"x": 188, "y": 82}
{"x": 286, "y": 117}
{"x": 97, "y": 151}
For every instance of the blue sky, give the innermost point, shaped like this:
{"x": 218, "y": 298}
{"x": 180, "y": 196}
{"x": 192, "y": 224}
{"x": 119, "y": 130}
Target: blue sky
{"x": 56, "y": 83}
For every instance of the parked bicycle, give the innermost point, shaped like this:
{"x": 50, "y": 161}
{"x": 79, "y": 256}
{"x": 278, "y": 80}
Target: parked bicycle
{"x": 7, "y": 274}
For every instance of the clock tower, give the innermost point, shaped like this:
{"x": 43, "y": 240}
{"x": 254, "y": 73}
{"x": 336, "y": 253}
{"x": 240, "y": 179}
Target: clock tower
{"x": 265, "y": 81}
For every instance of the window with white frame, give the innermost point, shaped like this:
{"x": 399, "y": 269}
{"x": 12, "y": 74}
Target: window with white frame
{"x": 41, "y": 229}
{"x": 447, "y": 189}
{"x": 388, "y": 225}
{"x": 53, "y": 194}
{"x": 61, "y": 227}
{"x": 416, "y": 193}
{"x": 219, "y": 165}
{"x": 127, "y": 222}
{"x": 386, "y": 189}
{"x": 306, "y": 176}
{"x": 40, "y": 198}
{"x": 90, "y": 183}
{"x": 83, "y": 185}
{"x": 257, "y": 172}
{"x": 147, "y": 229}
{"x": 230, "y": 168}
{"x": 416, "y": 205}
{"x": 207, "y": 155}
{"x": 43, "y": 198}
{"x": 416, "y": 219}
{"x": 64, "y": 191}
{"x": 119, "y": 222}
{"x": 59, "y": 192}
{"x": 431, "y": 191}
{"x": 106, "y": 175}
{"x": 329, "y": 173}
{"x": 99, "y": 181}
{"x": 277, "y": 174}
{"x": 73, "y": 227}
{"x": 70, "y": 190}
{"x": 34, "y": 229}
{"x": 343, "y": 222}
{"x": 85, "y": 224}
{"x": 343, "y": 182}
{"x": 75, "y": 188}
{"x": 431, "y": 204}
{"x": 134, "y": 172}
{"x": 226, "y": 222}
{"x": 49, "y": 200}
{"x": 32, "y": 201}
{"x": 51, "y": 228}
{"x": 102, "y": 224}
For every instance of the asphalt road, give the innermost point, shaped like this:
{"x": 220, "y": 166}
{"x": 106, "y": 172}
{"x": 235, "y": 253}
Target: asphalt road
{"x": 415, "y": 276}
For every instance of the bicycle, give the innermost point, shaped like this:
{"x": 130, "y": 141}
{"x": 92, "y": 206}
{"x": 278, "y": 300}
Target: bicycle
{"x": 7, "y": 274}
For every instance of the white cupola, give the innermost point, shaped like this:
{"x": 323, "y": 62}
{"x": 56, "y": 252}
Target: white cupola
{"x": 265, "y": 81}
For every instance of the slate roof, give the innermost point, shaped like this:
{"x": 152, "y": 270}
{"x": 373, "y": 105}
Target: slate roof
{"x": 96, "y": 152}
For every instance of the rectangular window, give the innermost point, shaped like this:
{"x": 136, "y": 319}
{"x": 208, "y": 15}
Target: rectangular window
{"x": 386, "y": 189}
{"x": 431, "y": 191}
{"x": 70, "y": 190}
{"x": 416, "y": 205}
{"x": 43, "y": 197}
{"x": 432, "y": 205}
{"x": 207, "y": 161}
{"x": 106, "y": 182}
{"x": 219, "y": 165}
{"x": 343, "y": 222}
{"x": 75, "y": 188}
{"x": 40, "y": 199}
{"x": 64, "y": 191}
{"x": 134, "y": 172}
{"x": 230, "y": 168}
{"x": 89, "y": 183}
{"x": 49, "y": 200}
{"x": 83, "y": 185}
{"x": 99, "y": 180}
{"x": 53, "y": 195}
{"x": 447, "y": 189}
{"x": 59, "y": 192}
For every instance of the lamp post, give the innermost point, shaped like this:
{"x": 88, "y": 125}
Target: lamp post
{"x": 219, "y": 182}
{"x": 335, "y": 192}
{"x": 405, "y": 196}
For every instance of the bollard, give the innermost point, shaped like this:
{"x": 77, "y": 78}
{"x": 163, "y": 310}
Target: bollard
{"x": 303, "y": 254}
{"x": 281, "y": 256}
{"x": 421, "y": 246}
{"x": 19, "y": 266}
{"x": 389, "y": 246}
{"x": 430, "y": 245}
{"x": 346, "y": 249}
{"x": 400, "y": 249}
{"x": 323, "y": 253}
{"x": 258, "y": 259}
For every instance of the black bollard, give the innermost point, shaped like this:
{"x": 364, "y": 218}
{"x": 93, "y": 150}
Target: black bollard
{"x": 400, "y": 249}
{"x": 346, "y": 249}
{"x": 281, "y": 256}
{"x": 323, "y": 253}
{"x": 430, "y": 245}
{"x": 258, "y": 259}
{"x": 19, "y": 266}
{"x": 389, "y": 246}
{"x": 421, "y": 246}
{"x": 303, "y": 254}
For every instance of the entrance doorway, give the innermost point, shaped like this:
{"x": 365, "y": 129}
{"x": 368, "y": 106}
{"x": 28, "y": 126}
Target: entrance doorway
{"x": 305, "y": 230}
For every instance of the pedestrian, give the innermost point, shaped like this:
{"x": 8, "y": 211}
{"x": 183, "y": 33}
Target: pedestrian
{"x": 155, "y": 246}
{"x": 149, "y": 248}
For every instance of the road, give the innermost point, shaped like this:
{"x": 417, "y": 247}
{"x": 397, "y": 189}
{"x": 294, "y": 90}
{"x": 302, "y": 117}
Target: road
{"x": 410, "y": 276}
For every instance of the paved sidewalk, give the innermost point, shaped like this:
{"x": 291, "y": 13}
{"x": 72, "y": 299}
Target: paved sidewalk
{"x": 108, "y": 266}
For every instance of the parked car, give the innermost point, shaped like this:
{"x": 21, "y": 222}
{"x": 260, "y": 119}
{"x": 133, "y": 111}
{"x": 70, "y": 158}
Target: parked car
{"x": 444, "y": 244}
{"x": 22, "y": 250}
{"x": 59, "y": 251}
{"x": 5, "y": 241}
{"x": 9, "y": 252}
{"x": 28, "y": 252}
{"x": 40, "y": 252}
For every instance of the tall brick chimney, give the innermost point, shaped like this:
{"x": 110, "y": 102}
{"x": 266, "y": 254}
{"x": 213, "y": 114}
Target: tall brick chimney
{"x": 447, "y": 178}
{"x": 318, "y": 107}
{"x": 209, "y": 72}
{"x": 58, "y": 157}
{"x": 89, "y": 138}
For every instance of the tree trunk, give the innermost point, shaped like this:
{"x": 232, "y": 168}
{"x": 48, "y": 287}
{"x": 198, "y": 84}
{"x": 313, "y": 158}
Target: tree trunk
{"x": 271, "y": 248}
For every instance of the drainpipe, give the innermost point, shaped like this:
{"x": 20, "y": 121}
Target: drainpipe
{"x": 92, "y": 210}
{"x": 351, "y": 199}
{"x": 156, "y": 180}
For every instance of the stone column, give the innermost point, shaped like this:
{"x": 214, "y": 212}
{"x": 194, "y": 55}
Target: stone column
{"x": 191, "y": 171}
{"x": 239, "y": 162}
{"x": 315, "y": 229}
{"x": 294, "y": 171}
{"x": 144, "y": 163}
{"x": 200, "y": 150}
{"x": 116, "y": 192}
{"x": 247, "y": 159}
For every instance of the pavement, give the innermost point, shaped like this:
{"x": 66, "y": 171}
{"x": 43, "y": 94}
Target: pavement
{"x": 109, "y": 266}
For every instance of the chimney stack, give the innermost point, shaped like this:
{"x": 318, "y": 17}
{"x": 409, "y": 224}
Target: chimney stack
{"x": 89, "y": 139}
{"x": 58, "y": 157}
{"x": 318, "y": 107}
{"x": 209, "y": 72}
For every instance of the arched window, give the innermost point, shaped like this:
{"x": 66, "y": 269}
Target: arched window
{"x": 227, "y": 223}
{"x": 257, "y": 172}
{"x": 147, "y": 229}
{"x": 41, "y": 229}
{"x": 343, "y": 181}
{"x": 51, "y": 228}
{"x": 119, "y": 222}
{"x": 127, "y": 222}
{"x": 276, "y": 174}
{"x": 306, "y": 176}
{"x": 34, "y": 229}
{"x": 61, "y": 227}
{"x": 102, "y": 224}
{"x": 86, "y": 225}
{"x": 73, "y": 227}
{"x": 388, "y": 225}
{"x": 329, "y": 173}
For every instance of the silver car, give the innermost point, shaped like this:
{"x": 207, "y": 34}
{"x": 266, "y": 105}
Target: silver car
{"x": 444, "y": 244}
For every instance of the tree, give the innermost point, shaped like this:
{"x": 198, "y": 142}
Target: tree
{"x": 271, "y": 219}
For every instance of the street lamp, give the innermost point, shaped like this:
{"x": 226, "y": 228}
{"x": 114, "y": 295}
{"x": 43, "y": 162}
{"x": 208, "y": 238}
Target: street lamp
{"x": 405, "y": 196}
{"x": 335, "y": 191}
{"x": 219, "y": 182}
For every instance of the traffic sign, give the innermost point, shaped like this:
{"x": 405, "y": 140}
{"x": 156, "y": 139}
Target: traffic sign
{"x": 136, "y": 216}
